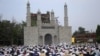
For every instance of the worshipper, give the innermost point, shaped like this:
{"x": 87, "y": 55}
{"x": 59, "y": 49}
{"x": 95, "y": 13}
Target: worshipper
{"x": 77, "y": 52}
{"x": 54, "y": 52}
{"x": 73, "y": 54}
{"x": 18, "y": 52}
{"x": 35, "y": 54}
{"x": 1, "y": 53}
{"x": 88, "y": 54}
{"x": 31, "y": 53}
{"x": 92, "y": 53}
{"x": 84, "y": 52}
{"x": 24, "y": 53}
{"x": 66, "y": 52}
{"x": 62, "y": 53}
{"x": 97, "y": 52}
{"x": 59, "y": 50}
{"x": 47, "y": 52}
{"x": 81, "y": 54}
{"x": 42, "y": 53}
{"x": 70, "y": 53}
{"x": 12, "y": 51}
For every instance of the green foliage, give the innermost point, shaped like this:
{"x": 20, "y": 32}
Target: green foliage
{"x": 98, "y": 31}
{"x": 81, "y": 30}
{"x": 98, "y": 39}
{"x": 75, "y": 33}
{"x": 11, "y": 33}
{"x": 98, "y": 34}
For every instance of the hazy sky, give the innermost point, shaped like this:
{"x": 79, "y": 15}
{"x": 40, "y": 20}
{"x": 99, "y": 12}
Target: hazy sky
{"x": 85, "y": 13}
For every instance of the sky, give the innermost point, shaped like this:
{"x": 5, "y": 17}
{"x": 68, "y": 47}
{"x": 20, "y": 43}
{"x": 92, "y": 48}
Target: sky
{"x": 85, "y": 13}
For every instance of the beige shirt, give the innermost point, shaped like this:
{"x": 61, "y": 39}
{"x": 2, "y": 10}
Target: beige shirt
{"x": 42, "y": 54}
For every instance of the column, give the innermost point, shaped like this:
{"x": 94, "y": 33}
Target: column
{"x": 53, "y": 40}
{"x": 43, "y": 40}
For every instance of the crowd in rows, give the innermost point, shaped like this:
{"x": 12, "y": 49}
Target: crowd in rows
{"x": 58, "y": 50}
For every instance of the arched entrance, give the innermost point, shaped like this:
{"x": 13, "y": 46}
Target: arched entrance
{"x": 48, "y": 39}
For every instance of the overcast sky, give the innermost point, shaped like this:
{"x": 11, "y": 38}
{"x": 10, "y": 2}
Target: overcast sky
{"x": 85, "y": 13}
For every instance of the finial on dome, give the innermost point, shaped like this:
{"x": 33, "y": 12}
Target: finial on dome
{"x": 28, "y": 3}
{"x": 65, "y": 4}
{"x": 39, "y": 11}
{"x": 52, "y": 11}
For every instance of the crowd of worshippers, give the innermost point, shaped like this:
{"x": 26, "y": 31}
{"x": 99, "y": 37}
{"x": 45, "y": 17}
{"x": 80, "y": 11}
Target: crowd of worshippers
{"x": 59, "y": 50}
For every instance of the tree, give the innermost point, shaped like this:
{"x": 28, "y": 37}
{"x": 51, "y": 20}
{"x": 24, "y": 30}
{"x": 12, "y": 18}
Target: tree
{"x": 0, "y": 17}
{"x": 81, "y": 30}
{"x": 11, "y": 32}
{"x": 5, "y": 32}
{"x": 98, "y": 33}
{"x": 75, "y": 33}
{"x": 98, "y": 30}
{"x": 98, "y": 39}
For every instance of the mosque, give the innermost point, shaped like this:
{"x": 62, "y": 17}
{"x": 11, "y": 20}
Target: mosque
{"x": 43, "y": 28}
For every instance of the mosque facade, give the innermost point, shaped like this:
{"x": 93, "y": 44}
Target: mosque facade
{"x": 43, "y": 28}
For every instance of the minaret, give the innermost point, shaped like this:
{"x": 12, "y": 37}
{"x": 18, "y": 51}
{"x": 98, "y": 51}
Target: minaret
{"x": 39, "y": 18}
{"x": 28, "y": 17}
{"x": 52, "y": 17}
{"x": 65, "y": 15}
{"x": 39, "y": 15}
